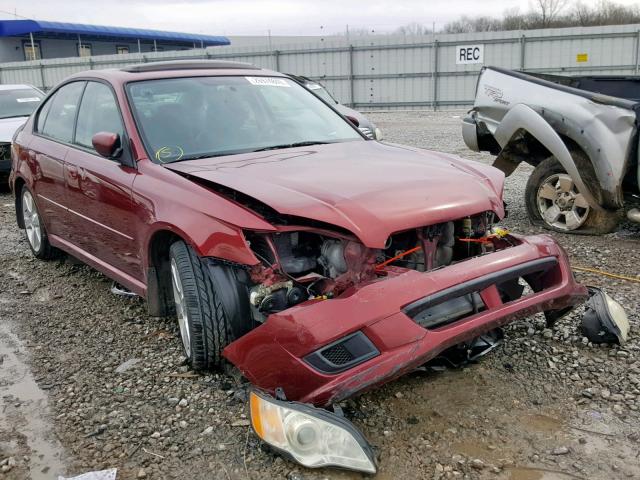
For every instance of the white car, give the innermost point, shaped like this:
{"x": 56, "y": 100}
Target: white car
{"x": 16, "y": 104}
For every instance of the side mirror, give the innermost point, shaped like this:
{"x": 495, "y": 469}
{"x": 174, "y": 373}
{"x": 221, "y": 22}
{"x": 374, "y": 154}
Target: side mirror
{"x": 107, "y": 144}
{"x": 353, "y": 120}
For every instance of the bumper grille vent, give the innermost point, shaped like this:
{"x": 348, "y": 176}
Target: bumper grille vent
{"x": 337, "y": 354}
{"x": 343, "y": 354}
{"x": 5, "y": 151}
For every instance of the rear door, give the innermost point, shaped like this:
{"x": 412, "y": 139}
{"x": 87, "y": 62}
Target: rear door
{"x": 47, "y": 152}
{"x": 99, "y": 189}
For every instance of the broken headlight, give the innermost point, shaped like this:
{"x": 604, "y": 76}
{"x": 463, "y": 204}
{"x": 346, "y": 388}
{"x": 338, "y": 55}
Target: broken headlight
{"x": 311, "y": 436}
{"x": 604, "y": 320}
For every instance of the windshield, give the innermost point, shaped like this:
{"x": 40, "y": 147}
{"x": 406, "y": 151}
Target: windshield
{"x": 187, "y": 118}
{"x": 19, "y": 102}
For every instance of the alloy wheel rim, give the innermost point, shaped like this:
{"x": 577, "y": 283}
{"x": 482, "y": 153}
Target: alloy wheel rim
{"x": 181, "y": 310}
{"x": 32, "y": 223}
{"x": 560, "y": 203}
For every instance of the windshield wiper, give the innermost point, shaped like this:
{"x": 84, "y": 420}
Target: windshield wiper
{"x": 234, "y": 152}
{"x": 291, "y": 145}
{"x": 199, "y": 157}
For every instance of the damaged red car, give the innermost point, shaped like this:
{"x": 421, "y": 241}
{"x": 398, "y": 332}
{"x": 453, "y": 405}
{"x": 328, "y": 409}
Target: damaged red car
{"x": 317, "y": 261}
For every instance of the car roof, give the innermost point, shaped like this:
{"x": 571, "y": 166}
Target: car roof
{"x": 176, "y": 69}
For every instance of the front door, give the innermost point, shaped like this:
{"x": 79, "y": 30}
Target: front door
{"x": 99, "y": 189}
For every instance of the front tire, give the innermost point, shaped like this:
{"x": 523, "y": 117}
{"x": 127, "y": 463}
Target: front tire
{"x": 211, "y": 306}
{"x": 554, "y": 202}
{"x": 34, "y": 227}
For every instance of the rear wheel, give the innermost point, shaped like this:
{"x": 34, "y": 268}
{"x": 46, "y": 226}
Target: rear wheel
{"x": 554, "y": 202}
{"x": 34, "y": 227}
{"x": 211, "y": 306}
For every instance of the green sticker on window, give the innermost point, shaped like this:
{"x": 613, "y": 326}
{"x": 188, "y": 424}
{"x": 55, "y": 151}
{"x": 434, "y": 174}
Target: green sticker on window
{"x": 169, "y": 154}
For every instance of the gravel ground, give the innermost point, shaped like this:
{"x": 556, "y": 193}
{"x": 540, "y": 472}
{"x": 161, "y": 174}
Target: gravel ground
{"x": 88, "y": 381}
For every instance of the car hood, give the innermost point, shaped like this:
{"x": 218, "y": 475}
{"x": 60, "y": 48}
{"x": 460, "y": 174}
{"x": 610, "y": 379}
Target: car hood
{"x": 8, "y": 127}
{"x": 370, "y": 188}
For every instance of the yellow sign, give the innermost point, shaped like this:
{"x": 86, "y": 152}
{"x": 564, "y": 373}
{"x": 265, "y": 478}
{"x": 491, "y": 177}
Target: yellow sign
{"x": 582, "y": 57}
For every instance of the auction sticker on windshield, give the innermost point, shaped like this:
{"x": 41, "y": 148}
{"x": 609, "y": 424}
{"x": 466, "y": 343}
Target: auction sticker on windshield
{"x": 268, "y": 81}
{"x": 28, "y": 99}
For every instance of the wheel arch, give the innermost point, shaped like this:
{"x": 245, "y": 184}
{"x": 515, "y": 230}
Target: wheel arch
{"x": 18, "y": 184}
{"x": 159, "y": 299}
{"x": 156, "y": 256}
{"x": 525, "y": 135}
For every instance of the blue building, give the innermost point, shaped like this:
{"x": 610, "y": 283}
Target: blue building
{"x": 35, "y": 40}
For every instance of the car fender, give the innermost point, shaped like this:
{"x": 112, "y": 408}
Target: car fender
{"x": 187, "y": 206}
{"x": 220, "y": 240}
{"x": 522, "y": 117}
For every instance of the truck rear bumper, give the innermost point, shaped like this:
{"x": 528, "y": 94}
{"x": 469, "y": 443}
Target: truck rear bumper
{"x": 322, "y": 352}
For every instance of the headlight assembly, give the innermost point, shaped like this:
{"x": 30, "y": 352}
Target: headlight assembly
{"x": 311, "y": 436}
{"x": 604, "y": 320}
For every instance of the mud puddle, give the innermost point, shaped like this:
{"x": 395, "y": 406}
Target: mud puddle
{"x": 471, "y": 415}
{"x": 25, "y": 431}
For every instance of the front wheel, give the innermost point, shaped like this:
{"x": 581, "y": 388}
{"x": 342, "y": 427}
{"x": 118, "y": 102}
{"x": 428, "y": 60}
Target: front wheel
{"x": 211, "y": 304}
{"x": 554, "y": 202}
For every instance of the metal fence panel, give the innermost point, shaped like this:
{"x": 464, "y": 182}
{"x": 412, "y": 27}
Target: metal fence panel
{"x": 393, "y": 71}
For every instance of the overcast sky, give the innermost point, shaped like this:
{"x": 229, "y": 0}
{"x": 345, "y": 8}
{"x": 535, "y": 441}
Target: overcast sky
{"x": 256, "y": 17}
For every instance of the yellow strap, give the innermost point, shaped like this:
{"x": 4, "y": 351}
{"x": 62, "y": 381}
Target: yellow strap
{"x": 607, "y": 274}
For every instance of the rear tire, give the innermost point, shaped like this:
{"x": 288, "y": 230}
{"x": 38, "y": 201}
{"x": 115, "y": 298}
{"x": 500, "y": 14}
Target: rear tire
{"x": 34, "y": 227}
{"x": 553, "y": 201}
{"x": 211, "y": 306}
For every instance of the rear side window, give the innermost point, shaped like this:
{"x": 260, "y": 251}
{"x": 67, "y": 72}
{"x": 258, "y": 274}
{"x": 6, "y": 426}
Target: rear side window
{"x": 61, "y": 115}
{"x": 42, "y": 116}
{"x": 98, "y": 113}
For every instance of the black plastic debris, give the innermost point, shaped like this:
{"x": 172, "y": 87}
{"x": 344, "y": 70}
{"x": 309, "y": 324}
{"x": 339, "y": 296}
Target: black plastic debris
{"x": 604, "y": 320}
{"x": 464, "y": 353}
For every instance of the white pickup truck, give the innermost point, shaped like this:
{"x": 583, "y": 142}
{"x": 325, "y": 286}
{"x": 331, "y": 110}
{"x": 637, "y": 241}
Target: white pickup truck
{"x": 580, "y": 134}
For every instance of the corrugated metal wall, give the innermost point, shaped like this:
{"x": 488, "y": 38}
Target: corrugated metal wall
{"x": 387, "y": 72}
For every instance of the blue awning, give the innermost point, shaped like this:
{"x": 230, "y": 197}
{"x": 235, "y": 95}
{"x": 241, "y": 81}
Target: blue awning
{"x": 21, "y": 28}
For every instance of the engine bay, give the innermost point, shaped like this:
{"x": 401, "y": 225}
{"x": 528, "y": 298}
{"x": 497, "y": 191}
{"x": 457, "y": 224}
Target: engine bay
{"x": 304, "y": 264}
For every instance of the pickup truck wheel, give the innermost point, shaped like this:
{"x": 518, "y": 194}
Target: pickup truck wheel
{"x": 206, "y": 326}
{"x": 34, "y": 227}
{"x": 554, "y": 202}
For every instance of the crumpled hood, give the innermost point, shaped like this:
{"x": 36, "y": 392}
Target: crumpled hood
{"x": 8, "y": 127}
{"x": 370, "y": 188}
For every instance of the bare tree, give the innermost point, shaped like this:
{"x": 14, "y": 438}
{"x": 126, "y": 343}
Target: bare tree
{"x": 548, "y": 10}
{"x": 549, "y": 13}
{"x": 583, "y": 15}
{"x": 476, "y": 24}
{"x": 413, "y": 28}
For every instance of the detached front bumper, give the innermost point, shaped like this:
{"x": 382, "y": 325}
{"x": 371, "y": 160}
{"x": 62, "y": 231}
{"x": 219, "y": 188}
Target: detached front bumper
{"x": 322, "y": 352}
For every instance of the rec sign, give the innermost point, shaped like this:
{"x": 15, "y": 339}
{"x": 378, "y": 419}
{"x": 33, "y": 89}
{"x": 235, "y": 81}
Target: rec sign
{"x": 466, "y": 54}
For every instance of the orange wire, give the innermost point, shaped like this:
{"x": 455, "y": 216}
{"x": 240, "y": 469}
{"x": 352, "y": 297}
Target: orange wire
{"x": 406, "y": 252}
{"x": 415, "y": 249}
{"x": 476, "y": 240}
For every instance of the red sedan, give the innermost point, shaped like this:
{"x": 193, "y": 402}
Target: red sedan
{"x": 316, "y": 260}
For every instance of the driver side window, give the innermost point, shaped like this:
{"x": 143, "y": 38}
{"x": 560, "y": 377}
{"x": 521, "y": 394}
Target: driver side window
{"x": 98, "y": 113}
